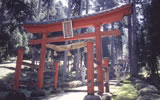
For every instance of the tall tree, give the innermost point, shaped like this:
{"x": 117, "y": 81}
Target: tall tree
{"x": 132, "y": 41}
{"x": 155, "y": 29}
{"x": 13, "y": 13}
{"x": 78, "y": 50}
{"x": 65, "y": 64}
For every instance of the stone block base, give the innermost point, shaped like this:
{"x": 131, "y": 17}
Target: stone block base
{"x": 15, "y": 95}
{"x": 91, "y": 97}
{"x": 37, "y": 93}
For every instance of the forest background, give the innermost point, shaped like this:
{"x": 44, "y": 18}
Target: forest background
{"x": 138, "y": 42}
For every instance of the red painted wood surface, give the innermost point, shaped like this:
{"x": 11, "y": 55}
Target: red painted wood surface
{"x": 42, "y": 61}
{"x": 18, "y": 68}
{"x": 99, "y": 59}
{"x": 106, "y": 74}
{"x": 104, "y": 18}
{"x": 106, "y": 64}
{"x": 90, "y": 68}
{"x": 76, "y": 37}
{"x": 56, "y": 75}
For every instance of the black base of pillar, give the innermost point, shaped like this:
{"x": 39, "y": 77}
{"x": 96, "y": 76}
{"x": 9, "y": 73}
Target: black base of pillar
{"x": 106, "y": 87}
{"x": 15, "y": 95}
{"x": 100, "y": 94}
{"x": 56, "y": 91}
{"x": 37, "y": 93}
{"x": 91, "y": 97}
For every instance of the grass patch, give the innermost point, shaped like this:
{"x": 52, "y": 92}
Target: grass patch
{"x": 124, "y": 92}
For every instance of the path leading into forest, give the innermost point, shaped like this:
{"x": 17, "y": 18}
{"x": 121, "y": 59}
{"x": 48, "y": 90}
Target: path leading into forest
{"x": 67, "y": 96}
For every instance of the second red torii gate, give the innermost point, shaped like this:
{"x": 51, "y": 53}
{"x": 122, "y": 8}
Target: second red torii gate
{"x": 95, "y": 20}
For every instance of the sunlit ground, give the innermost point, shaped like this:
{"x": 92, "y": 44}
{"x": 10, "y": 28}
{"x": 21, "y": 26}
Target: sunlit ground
{"x": 78, "y": 95}
{"x": 6, "y": 69}
{"x": 124, "y": 92}
{"x": 68, "y": 96}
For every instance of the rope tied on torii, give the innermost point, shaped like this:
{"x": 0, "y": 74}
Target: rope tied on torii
{"x": 67, "y": 47}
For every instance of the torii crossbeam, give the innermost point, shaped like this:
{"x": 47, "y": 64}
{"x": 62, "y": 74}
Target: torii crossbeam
{"x": 76, "y": 37}
{"x": 95, "y": 20}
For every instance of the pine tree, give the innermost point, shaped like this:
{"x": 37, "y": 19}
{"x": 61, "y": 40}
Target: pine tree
{"x": 155, "y": 49}
{"x": 13, "y": 13}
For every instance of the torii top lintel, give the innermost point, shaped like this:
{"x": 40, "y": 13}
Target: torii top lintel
{"x": 104, "y": 17}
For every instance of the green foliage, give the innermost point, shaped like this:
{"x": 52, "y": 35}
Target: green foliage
{"x": 124, "y": 92}
{"x": 147, "y": 30}
{"x": 76, "y": 6}
{"x": 19, "y": 10}
{"x": 12, "y": 35}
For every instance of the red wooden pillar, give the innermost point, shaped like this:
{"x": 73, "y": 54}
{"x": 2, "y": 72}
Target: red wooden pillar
{"x": 42, "y": 61}
{"x": 99, "y": 59}
{"x": 90, "y": 68}
{"x": 56, "y": 75}
{"x": 18, "y": 68}
{"x": 106, "y": 74}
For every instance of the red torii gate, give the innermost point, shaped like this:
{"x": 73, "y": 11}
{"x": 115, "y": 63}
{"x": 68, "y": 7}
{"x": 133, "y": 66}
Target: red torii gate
{"x": 79, "y": 22}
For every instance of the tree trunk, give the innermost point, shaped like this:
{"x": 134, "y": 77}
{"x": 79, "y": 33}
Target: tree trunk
{"x": 39, "y": 9}
{"x": 66, "y": 42}
{"x": 78, "y": 50}
{"x": 121, "y": 44}
{"x": 112, "y": 49}
{"x": 112, "y": 52}
{"x": 48, "y": 8}
{"x": 135, "y": 68}
{"x": 2, "y": 11}
{"x": 87, "y": 6}
{"x": 132, "y": 43}
{"x": 78, "y": 63}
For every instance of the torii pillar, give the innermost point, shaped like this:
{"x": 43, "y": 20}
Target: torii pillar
{"x": 56, "y": 75}
{"x": 42, "y": 61}
{"x": 90, "y": 74}
{"x": 90, "y": 68}
{"x": 99, "y": 59}
{"x": 18, "y": 68}
{"x": 106, "y": 74}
